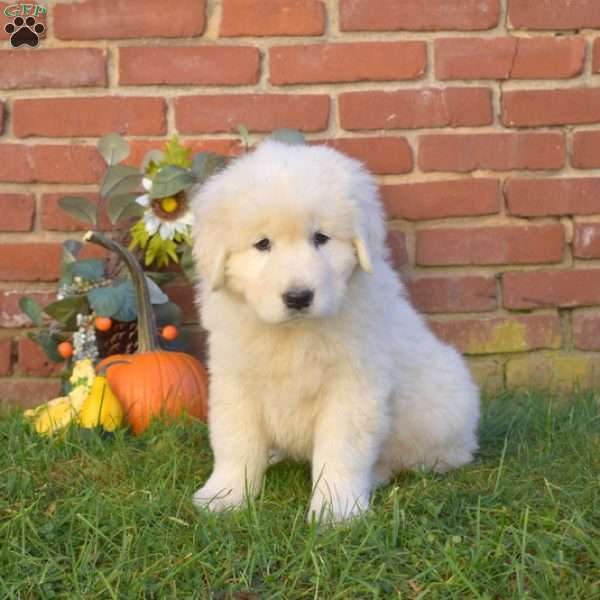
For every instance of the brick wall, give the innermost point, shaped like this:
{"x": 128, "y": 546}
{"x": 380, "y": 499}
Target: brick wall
{"x": 481, "y": 118}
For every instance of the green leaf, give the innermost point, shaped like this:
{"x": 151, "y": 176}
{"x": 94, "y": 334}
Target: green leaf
{"x": 177, "y": 154}
{"x": 91, "y": 269}
{"x": 80, "y": 208}
{"x": 139, "y": 236}
{"x": 71, "y": 250}
{"x": 120, "y": 179}
{"x": 123, "y": 207}
{"x": 168, "y": 313}
{"x": 243, "y": 131}
{"x": 106, "y": 301}
{"x": 157, "y": 296}
{"x": 161, "y": 277}
{"x": 113, "y": 148}
{"x": 205, "y": 164}
{"x": 32, "y": 309}
{"x": 48, "y": 341}
{"x": 188, "y": 266}
{"x": 128, "y": 309}
{"x": 115, "y": 301}
{"x": 288, "y": 136}
{"x": 170, "y": 180}
{"x": 65, "y": 311}
{"x": 160, "y": 251}
{"x": 155, "y": 157}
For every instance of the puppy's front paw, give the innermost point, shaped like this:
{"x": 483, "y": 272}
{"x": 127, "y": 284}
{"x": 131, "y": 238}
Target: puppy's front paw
{"x": 337, "y": 507}
{"x": 218, "y": 495}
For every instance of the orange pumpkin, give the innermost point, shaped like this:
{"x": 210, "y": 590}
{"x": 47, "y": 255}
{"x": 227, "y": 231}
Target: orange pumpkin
{"x": 152, "y": 382}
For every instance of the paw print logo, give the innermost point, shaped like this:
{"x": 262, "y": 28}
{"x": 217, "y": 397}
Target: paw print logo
{"x": 24, "y": 31}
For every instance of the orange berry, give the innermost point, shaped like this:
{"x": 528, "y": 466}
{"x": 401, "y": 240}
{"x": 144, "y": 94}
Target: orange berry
{"x": 170, "y": 332}
{"x": 65, "y": 349}
{"x": 103, "y": 323}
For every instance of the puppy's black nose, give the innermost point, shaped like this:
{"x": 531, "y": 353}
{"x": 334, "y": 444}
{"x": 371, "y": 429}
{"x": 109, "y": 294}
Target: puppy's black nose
{"x": 297, "y": 299}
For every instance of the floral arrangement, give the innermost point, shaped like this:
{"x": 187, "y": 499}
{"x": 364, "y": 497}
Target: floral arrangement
{"x": 95, "y": 312}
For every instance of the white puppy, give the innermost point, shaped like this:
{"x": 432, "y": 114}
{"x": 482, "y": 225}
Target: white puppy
{"x": 315, "y": 351}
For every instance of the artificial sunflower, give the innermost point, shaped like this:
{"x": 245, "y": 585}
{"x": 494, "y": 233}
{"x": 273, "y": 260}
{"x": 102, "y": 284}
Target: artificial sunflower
{"x": 165, "y": 227}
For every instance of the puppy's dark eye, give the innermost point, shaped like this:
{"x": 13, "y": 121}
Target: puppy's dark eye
{"x": 320, "y": 238}
{"x": 263, "y": 245}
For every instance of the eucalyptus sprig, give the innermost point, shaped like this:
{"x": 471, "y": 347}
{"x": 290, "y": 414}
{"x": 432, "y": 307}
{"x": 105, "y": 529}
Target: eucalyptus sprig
{"x": 116, "y": 188}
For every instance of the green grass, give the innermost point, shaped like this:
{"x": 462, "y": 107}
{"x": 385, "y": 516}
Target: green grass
{"x": 87, "y": 517}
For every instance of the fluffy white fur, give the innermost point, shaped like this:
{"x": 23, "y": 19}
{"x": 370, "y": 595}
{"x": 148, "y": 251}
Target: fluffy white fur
{"x": 356, "y": 383}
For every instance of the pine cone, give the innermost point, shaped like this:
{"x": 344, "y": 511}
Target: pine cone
{"x": 121, "y": 338}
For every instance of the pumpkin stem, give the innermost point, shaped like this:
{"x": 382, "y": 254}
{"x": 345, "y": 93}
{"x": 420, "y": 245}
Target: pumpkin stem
{"x": 147, "y": 331}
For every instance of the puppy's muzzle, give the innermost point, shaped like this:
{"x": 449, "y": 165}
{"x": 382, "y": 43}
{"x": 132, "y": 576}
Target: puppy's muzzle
{"x": 298, "y": 299}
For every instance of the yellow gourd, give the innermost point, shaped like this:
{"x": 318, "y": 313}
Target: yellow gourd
{"x": 52, "y": 415}
{"x": 101, "y": 407}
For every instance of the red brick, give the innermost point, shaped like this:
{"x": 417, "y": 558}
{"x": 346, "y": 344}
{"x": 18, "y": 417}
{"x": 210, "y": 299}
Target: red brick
{"x": 382, "y": 156}
{"x": 564, "y": 288}
{"x": 52, "y": 68}
{"x": 5, "y": 357}
{"x": 335, "y": 63}
{"x": 493, "y": 151}
{"x": 441, "y": 199}
{"x": 11, "y": 315}
{"x": 139, "y": 148}
{"x": 404, "y": 109}
{"x": 396, "y": 241}
{"x": 54, "y": 218}
{"x": 596, "y": 56}
{"x": 189, "y": 65}
{"x": 536, "y": 108}
{"x": 549, "y": 58}
{"x": 554, "y": 14}
{"x": 272, "y": 17}
{"x": 586, "y": 243}
{"x": 27, "y": 393}
{"x": 553, "y": 197}
{"x": 586, "y": 150}
{"x": 453, "y": 294}
{"x": 499, "y": 335}
{"x": 89, "y": 116}
{"x": 415, "y": 15}
{"x": 32, "y": 360}
{"x": 509, "y": 58}
{"x": 20, "y": 163}
{"x": 116, "y": 19}
{"x": 493, "y": 245}
{"x": 17, "y": 212}
{"x": 586, "y": 330}
{"x": 30, "y": 261}
{"x": 258, "y": 112}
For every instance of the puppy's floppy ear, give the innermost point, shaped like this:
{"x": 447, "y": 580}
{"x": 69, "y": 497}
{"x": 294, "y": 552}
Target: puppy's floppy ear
{"x": 209, "y": 239}
{"x": 369, "y": 224}
{"x": 362, "y": 253}
{"x": 216, "y": 279}
{"x": 211, "y": 259}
